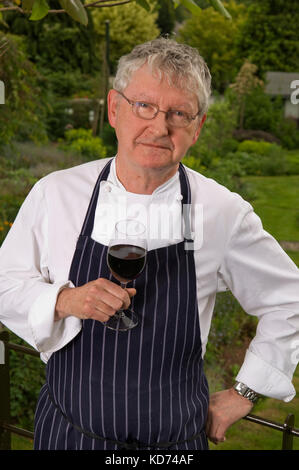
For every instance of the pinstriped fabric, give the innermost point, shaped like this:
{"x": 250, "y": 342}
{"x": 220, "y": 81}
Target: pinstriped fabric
{"x": 146, "y": 384}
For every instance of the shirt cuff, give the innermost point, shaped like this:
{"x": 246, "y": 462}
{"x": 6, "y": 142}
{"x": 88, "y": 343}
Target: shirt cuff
{"x": 265, "y": 379}
{"x": 50, "y": 336}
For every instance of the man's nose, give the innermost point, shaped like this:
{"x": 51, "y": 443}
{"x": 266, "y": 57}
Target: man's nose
{"x": 159, "y": 124}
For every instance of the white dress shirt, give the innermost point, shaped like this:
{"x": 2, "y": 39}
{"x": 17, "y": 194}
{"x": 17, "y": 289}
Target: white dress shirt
{"x": 231, "y": 249}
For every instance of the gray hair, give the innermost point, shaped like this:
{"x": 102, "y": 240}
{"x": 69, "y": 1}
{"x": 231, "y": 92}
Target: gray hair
{"x": 180, "y": 63}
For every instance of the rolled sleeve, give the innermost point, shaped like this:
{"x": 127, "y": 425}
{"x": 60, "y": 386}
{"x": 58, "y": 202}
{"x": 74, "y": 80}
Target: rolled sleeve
{"x": 49, "y": 335}
{"x": 265, "y": 379}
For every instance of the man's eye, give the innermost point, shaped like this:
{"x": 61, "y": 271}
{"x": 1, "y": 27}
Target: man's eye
{"x": 140, "y": 104}
{"x": 179, "y": 114}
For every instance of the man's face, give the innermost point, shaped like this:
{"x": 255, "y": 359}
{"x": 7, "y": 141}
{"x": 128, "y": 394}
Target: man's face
{"x": 152, "y": 143}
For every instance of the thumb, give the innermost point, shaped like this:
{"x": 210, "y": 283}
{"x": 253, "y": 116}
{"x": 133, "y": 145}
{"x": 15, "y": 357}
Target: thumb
{"x": 131, "y": 291}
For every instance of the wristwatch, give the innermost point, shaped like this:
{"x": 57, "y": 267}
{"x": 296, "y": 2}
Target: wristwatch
{"x": 246, "y": 392}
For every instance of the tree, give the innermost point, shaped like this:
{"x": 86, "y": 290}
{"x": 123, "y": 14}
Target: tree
{"x": 246, "y": 82}
{"x": 166, "y": 16}
{"x": 38, "y": 9}
{"x": 129, "y": 25}
{"x": 269, "y": 36}
{"x": 56, "y": 42}
{"x": 215, "y": 38}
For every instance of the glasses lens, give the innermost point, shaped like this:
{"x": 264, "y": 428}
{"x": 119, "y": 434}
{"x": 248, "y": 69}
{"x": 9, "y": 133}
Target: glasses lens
{"x": 144, "y": 110}
{"x": 178, "y": 119}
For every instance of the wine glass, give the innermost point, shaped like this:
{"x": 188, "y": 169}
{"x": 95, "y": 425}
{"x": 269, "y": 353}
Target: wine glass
{"x": 126, "y": 257}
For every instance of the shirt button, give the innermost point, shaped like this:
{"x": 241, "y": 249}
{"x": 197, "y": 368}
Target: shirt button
{"x": 108, "y": 189}
{"x": 179, "y": 198}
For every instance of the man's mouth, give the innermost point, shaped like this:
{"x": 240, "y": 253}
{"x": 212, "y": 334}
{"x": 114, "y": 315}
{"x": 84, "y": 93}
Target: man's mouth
{"x": 155, "y": 145}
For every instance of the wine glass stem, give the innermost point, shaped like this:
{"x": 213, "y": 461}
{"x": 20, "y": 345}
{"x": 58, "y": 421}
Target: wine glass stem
{"x": 121, "y": 311}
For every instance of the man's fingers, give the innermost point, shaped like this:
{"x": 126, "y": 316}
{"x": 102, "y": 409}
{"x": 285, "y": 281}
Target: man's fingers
{"x": 97, "y": 300}
{"x": 215, "y": 432}
{"x": 108, "y": 297}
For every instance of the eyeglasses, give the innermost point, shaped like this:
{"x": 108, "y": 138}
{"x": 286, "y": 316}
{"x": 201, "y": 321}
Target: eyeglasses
{"x": 149, "y": 111}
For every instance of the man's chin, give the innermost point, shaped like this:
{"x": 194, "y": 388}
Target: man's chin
{"x": 155, "y": 155}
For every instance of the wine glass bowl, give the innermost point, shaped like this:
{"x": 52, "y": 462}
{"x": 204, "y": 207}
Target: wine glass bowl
{"x": 126, "y": 262}
{"x": 126, "y": 258}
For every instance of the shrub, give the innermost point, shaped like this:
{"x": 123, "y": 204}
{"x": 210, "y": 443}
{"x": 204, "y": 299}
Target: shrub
{"x": 261, "y": 158}
{"x": 216, "y": 137}
{"x": 82, "y": 142}
{"x": 27, "y": 375}
{"x": 258, "y": 147}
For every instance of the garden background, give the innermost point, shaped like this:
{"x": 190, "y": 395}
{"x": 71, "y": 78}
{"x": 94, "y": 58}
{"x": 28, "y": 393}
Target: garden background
{"x": 56, "y": 73}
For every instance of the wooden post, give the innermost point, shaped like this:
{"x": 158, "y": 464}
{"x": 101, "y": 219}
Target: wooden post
{"x": 287, "y": 439}
{"x": 5, "y": 435}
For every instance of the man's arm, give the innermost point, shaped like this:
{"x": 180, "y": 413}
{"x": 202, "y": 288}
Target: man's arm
{"x": 266, "y": 283}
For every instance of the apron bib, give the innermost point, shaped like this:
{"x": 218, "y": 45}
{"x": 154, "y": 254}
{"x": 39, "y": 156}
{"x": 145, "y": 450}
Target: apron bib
{"x": 140, "y": 389}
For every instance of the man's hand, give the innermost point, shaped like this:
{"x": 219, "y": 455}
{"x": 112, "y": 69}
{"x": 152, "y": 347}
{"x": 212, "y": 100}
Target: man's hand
{"x": 225, "y": 408}
{"x": 96, "y": 300}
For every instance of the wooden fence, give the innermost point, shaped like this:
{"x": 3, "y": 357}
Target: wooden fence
{"x": 6, "y": 428}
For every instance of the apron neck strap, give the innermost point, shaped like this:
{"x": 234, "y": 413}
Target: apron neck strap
{"x": 186, "y": 201}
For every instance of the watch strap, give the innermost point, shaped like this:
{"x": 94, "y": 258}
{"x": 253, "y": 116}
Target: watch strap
{"x": 246, "y": 392}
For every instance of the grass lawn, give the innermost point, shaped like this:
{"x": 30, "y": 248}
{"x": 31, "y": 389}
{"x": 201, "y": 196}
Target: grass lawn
{"x": 21, "y": 443}
{"x": 276, "y": 201}
{"x": 294, "y": 255}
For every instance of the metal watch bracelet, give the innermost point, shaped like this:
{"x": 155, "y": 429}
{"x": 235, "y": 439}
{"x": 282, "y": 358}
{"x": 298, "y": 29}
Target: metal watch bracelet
{"x": 246, "y": 392}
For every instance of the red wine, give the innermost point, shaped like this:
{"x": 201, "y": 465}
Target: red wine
{"x": 126, "y": 261}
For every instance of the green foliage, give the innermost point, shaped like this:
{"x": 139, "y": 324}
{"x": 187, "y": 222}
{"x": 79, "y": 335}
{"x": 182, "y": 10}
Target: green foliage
{"x": 230, "y": 325}
{"x": 82, "y": 142}
{"x": 22, "y": 114}
{"x": 56, "y": 43}
{"x": 214, "y": 37}
{"x": 262, "y": 112}
{"x": 40, "y": 9}
{"x": 259, "y": 148}
{"x": 287, "y": 132}
{"x": 130, "y": 24}
{"x": 27, "y": 375}
{"x": 209, "y": 155}
{"x": 76, "y": 10}
{"x": 269, "y": 36}
{"x": 16, "y": 182}
{"x": 259, "y": 158}
{"x": 109, "y": 139}
{"x": 293, "y": 163}
{"x": 216, "y": 136}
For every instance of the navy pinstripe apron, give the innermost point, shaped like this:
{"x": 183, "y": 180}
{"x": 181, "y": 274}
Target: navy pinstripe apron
{"x": 144, "y": 388}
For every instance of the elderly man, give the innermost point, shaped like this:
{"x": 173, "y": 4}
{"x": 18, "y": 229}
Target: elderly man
{"x": 145, "y": 387}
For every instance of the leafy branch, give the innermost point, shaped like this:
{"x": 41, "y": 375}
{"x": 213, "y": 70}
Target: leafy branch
{"x": 38, "y": 9}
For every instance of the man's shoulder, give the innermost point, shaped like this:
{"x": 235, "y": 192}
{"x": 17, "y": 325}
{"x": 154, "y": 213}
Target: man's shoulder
{"x": 85, "y": 173}
{"x": 212, "y": 193}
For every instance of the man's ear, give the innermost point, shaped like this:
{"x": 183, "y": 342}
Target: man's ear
{"x": 201, "y": 123}
{"x": 112, "y": 103}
